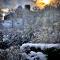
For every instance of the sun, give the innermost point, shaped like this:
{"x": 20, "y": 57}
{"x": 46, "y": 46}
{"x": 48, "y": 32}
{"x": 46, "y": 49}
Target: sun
{"x": 42, "y": 3}
{"x": 46, "y": 1}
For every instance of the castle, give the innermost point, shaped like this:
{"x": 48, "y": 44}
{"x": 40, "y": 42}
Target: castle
{"x": 27, "y": 3}
{"x": 45, "y": 23}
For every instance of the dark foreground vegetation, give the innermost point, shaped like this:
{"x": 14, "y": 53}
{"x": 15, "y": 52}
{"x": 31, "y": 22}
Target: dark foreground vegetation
{"x": 15, "y": 53}
{"x": 52, "y": 54}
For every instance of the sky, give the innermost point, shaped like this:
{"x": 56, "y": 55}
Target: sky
{"x": 14, "y": 3}
{"x": 8, "y": 3}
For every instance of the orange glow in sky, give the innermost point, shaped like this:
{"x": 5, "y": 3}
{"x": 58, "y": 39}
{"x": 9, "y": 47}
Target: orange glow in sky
{"x": 46, "y": 1}
{"x": 42, "y": 3}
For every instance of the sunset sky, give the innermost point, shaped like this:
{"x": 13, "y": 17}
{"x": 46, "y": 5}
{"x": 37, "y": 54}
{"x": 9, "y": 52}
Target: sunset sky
{"x": 42, "y": 3}
{"x": 14, "y": 3}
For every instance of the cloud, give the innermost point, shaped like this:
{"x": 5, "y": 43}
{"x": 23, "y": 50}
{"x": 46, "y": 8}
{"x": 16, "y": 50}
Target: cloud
{"x": 8, "y": 3}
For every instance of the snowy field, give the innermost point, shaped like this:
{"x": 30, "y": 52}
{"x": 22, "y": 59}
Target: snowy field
{"x": 32, "y": 51}
{"x": 40, "y": 45}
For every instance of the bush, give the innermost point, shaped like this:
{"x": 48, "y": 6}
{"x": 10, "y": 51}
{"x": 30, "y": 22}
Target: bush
{"x": 53, "y": 53}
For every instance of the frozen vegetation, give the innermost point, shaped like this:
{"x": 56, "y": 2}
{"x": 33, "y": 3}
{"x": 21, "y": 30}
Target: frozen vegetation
{"x": 39, "y": 26}
{"x": 31, "y": 51}
{"x": 30, "y": 35}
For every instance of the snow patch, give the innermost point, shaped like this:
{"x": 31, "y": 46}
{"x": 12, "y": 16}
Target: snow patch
{"x": 39, "y": 45}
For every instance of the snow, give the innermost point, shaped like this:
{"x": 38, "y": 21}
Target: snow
{"x": 39, "y": 45}
{"x": 33, "y": 55}
{"x": 39, "y": 55}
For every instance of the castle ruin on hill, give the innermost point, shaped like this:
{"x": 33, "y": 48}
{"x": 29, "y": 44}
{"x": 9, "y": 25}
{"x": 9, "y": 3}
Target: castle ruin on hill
{"x": 44, "y": 24}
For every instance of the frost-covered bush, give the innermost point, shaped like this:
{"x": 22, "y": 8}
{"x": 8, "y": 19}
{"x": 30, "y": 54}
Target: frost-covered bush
{"x": 18, "y": 38}
{"x": 3, "y": 54}
{"x": 1, "y": 36}
{"x": 40, "y": 51}
{"x": 43, "y": 24}
{"x": 52, "y": 53}
{"x": 33, "y": 56}
{"x": 31, "y": 52}
{"x": 13, "y": 53}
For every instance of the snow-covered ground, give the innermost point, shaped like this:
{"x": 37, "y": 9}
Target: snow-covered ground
{"x": 40, "y": 45}
{"x": 29, "y": 54}
{"x": 31, "y": 51}
{"x": 33, "y": 55}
